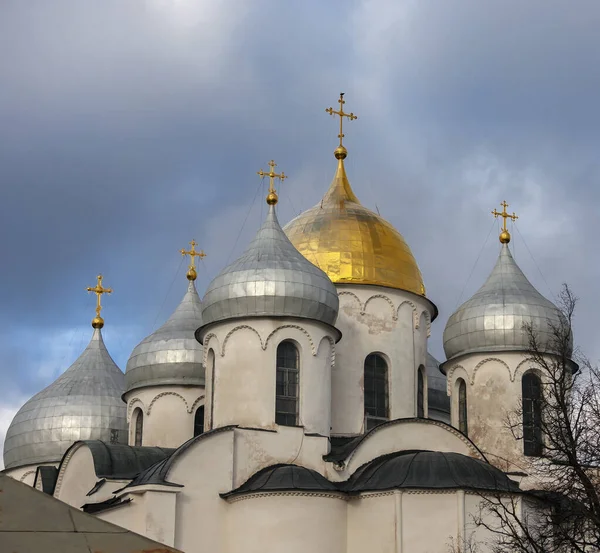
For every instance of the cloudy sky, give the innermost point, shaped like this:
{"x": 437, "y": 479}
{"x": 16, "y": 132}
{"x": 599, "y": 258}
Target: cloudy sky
{"x": 129, "y": 127}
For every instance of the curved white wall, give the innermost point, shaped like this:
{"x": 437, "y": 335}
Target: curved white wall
{"x": 241, "y": 388}
{"x": 374, "y": 319}
{"x": 26, "y": 473}
{"x": 168, "y": 413}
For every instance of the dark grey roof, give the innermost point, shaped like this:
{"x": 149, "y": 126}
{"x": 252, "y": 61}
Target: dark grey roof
{"x": 437, "y": 395}
{"x": 119, "y": 461}
{"x": 32, "y": 521}
{"x": 83, "y": 403}
{"x": 171, "y": 355}
{"x": 46, "y": 476}
{"x": 428, "y": 470}
{"x": 284, "y": 477}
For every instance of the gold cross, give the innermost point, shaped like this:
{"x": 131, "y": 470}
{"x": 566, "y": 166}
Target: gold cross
{"x": 98, "y": 321}
{"x": 342, "y": 114}
{"x": 191, "y": 274}
{"x": 272, "y": 197}
{"x": 504, "y": 235}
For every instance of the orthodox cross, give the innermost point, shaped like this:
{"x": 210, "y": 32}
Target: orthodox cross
{"x": 342, "y": 114}
{"x": 98, "y": 290}
{"x": 191, "y": 274}
{"x": 504, "y": 215}
{"x": 272, "y": 197}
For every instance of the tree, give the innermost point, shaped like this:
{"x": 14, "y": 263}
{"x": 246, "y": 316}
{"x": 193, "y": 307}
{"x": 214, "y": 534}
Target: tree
{"x": 561, "y": 513}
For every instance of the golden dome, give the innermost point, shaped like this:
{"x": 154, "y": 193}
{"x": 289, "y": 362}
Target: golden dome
{"x": 352, "y": 244}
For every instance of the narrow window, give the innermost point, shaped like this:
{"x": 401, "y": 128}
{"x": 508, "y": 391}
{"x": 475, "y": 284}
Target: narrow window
{"x": 420, "y": 394}
{"x": 532, "y": 415}
{"x": 286, "y": 394}
{"x": 139, "y": 427}
{"x": 462, "y": 406}
{"x": 375, "y": 391}
{"x": 199, "y": 421}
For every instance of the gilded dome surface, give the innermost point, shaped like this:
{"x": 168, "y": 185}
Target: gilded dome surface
{"x": 493, "y": 319}
{"x": 271, "y": 278}
{"x": 84, "y": 403}
{"x": 352, "y": 244}
{"x": 171, "y": 355}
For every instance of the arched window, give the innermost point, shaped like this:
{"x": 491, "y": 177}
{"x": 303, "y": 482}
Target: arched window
{"x": 420, "y": 393}
{"x": 286, "y": 394}
{"x": 139, "y": 427}
{"x": 532, "y": 415}
{"x": 375, "y": 390}
{"x": 199, "y": 421}
{"x": 462, "y": 406}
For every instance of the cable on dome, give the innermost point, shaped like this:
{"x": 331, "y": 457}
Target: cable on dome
{"x": 535, "y": 262}
{"x": 167, "y": 295}
{"x": 244, "y": 223}
{"x": 474, "y": 265}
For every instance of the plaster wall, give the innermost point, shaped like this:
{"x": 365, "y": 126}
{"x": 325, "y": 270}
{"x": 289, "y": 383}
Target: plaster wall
{"x": 374, "y": 319}
{"x": 168, "y": 413}
{"x": 294, "y": 523}
{"x": 76, "y": 476}
{"x": 241, "y": 388}
{"x": 26, "y": 473}
{"x": 493, "y": 383}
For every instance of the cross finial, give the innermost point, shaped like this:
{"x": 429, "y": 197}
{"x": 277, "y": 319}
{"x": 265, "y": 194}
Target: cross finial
{"x": 272, "y": 196}
{"x": 191, "y": 274}
{"x": 341, "y": 152}
{"x": 504, "y": 235}
{"x": 98, "y": 321}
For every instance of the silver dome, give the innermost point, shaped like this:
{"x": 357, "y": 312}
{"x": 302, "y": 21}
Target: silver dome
{"x": 84, "y": 403}
{"x": 493, "y": 319}
{"x": 171, "y": 355}
{"x": 438, "y": 402}
{"x": 271, "y": 278}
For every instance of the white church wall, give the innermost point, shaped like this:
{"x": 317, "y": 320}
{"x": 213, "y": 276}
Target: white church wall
{"x": 374, "y": 319}
{"x": 242, "y": 389}
{"x": 493, "y": 384}
{"x": 168, "y": 413}
{"x": 372, "y": 524}
{"x": 255, "y": 450}
{"x": 290, "y": 522}
{"x": 26, "y": 473}
{"x": 76, "y": 476}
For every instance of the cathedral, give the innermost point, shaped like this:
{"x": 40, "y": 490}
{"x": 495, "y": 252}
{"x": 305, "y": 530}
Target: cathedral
{"x": 295, "y": 407}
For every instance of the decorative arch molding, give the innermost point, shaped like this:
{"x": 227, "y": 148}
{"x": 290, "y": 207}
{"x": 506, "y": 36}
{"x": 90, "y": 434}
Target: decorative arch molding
{"x": 414, "y": 310}
{"x": 519, "y": 369}
{"x": 162, "y": 394}
{"x": 353, "y": 295}
{"x": 63, "y": 466}
{"x": 450, "y": 377}
{"x": 207, "y": 346}
{"x": 489, "y": 360}
{"x": 195, "y": 404}
{"x": 135, "y": 402}
{"x": 236, "y": 329}
{"x": 26, "y": 474}
{"x": 386, "y": 299}
{"x": 332, "y": 344}
{"x": 477, "y": 454}
{"x": 313, "y": 349}
{"x": 425, "y": 315}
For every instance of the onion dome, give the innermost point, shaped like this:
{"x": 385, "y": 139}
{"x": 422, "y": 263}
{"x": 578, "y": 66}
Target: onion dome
{"x": 271, "y": 279}
{"x": 493, "y": 319}
{"x": 171, "y": 355}
{"x": 84, "y": 403}
{"x": 352, "y": 244}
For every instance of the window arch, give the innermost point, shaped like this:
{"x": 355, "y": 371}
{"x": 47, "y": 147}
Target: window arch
{"x": 199, "y": 421}
{"x": 139, "y": 427}
{"x": 375, "y": 390}
{"x": 287, "y": 380}
{"x": 420, "y": 393}
{"x": 531, "y": 386}
{"x": 463, "y": 426}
